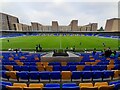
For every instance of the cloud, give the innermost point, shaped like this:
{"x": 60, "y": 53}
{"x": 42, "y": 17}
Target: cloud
{"x": 63, "y": 12}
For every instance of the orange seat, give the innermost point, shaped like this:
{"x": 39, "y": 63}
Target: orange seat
{"x": 41, "y": 68}
{"x": 80, "y": 67}
{"x": 88, "y": 88}
{"x": 9, "y": 67}
{"x": 39, "y": 85}
{"x": 99, "y": 84}
{"x": 106, "y": 87}
{"x": 110, "y": 67}
{"x": 14, "y": 88}
{"x": 12, "y": 74}
{"x": 20, "y": 84}
{"x": 85, "y": 85}
{"x": 66, "y": 75}
{"x": 63, "y": 63}
{"x": 49, "y": 68}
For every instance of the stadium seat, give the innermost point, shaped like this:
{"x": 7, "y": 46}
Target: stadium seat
{"x": 85, "y": 85}
{"x": 9, "y": 67}
{"x": 55, "y": 75}
{"x": 49, "y": 68}
{"x": 56, "y": 68}
{"x": 86, "y": 75}
{"x": 66, "y": 75}
{"x": 12, "y": 74}
{"x": 70, "y": 86}
{"x": 33, "y": 68}
{"x": 45, "y": 75}
{"x": 64, "y": 68}
{"x": 23, "y": 75}
{"x": 39, "y": 85}
{"x": 80, "y": 67}
{"x": 17, "y": 68}
{"x": 88, "y": 88}
{"x": 20, "y": 84}
{"x": 72, "y": 68}
{"x": 41, "y": 68}
{"x": 52, "y": 86}
{"x": 97, "y": 75}
{"x": 34, "y": 75}
{"x": 14, "y": 88}
{"x": 24, "y": 68}
{"x": 76, "y": 75}
{"x": 116, "y": 84}
{"x": 108, "y": 74}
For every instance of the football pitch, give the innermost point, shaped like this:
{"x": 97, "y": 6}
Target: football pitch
{"x": 58, "y": 42}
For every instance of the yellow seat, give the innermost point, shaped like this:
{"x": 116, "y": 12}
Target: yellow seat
{"x": 9, "y": 67}
{"x": 36, "y": 58}
{"x": 106, "y": 87}
{"x": 41, "y": 68}
{"x": 80, "y": 67}
{"x": 110, "y": 67}
{"x": 94, "y": 63}
{"x": 39, "y": 63}
{"x": 49, "y": 68}
{"x": 20, "y": 63}
{"x": 85, "y": 85}
{"x": 11, "y": 58}
{"x": 66, "y": 75}
{"x": 14, "y": 88}
{"x": 87, "y": 63}
{"x": 39, "y": 85}
{"x": 63, "y": 63}
{"x": 32, "y": 88}
{"x": 88, "y": 88}
{"x": 12, "y": 74}
{"x": 116, "y": 73}
{"x": 45, "y": 63}
{"x": 20, "y": 84}
{"x": 99, "y": 84}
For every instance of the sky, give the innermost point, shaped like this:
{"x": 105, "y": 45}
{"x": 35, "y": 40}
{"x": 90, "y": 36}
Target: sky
{"x": 63, "y": 11}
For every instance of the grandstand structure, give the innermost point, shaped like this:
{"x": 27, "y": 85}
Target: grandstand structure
{"x": 41, "y": 70}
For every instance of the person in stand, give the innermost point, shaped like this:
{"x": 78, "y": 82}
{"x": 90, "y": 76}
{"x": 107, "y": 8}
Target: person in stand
{"x": 94, "y": 51}
{"x": 73, "y": 48}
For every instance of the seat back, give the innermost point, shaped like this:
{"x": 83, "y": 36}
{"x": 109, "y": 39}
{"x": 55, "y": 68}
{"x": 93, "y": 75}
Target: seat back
{"x": 66, "y": 75}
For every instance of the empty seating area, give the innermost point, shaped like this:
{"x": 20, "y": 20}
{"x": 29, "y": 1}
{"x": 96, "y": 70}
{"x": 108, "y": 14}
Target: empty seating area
{"x": 25, "y": 71}
{"x": 63, "y": 86}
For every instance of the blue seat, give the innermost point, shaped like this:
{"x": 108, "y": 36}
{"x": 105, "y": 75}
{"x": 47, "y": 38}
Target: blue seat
{"x": 64, "y": 68}
{"x": 24, "y": 68}
{"x": 97, "y": 74}
{"x": 56, "y": 68}
{"x": 76, "y": 74}
{"x": 23, "y": 75}
{"x": 33, "y": 68}
{"x": 34, "y": 75}
{"x": 52, "y": 86}
{"x": 103, "y": 67}
{"x": 87, "y": 68}
{"x": 72, "y": 68}
{"x": 116, "y": 84}
{"x": 26, "y": 63}
{"x": 17, "y": 68}
{"x": 32, "y": 63}
{"x": 3, "y": 85}
{"x": 95, "y": 67}
{"x": 4, "y": 75}
{"x": 55, "y": 75}
{"x": 45, "y": 75}
{"x": 86, "y": 75}
{"x": 108, "y": 74}
{"x": 70, "y": 86}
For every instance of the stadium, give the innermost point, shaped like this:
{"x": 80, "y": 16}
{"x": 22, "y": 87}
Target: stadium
{"x": 56, "y": 57}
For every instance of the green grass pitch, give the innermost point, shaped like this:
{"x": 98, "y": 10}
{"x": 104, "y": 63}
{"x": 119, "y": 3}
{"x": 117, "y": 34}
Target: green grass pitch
{"x": 56, "y": 42}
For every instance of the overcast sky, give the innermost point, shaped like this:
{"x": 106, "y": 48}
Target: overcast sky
{"x": 45, "y": 12}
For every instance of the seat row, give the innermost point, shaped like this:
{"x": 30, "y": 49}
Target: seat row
{"x": 96, "y": 62}
{"x": 57, "y": 86}
{"x": 61, "y": 68}
{"x": 61, "y": 76}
